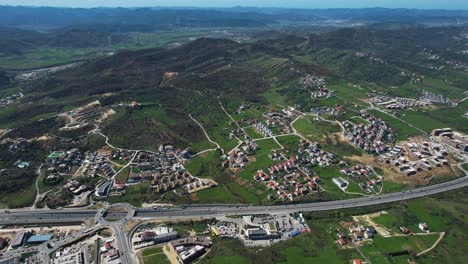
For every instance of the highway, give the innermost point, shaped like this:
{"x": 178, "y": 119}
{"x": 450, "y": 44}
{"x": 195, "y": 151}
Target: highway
{"x": 29, "y": 216}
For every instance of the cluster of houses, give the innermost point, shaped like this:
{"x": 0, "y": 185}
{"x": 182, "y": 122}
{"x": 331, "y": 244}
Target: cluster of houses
{"x": 395, "y": 103}
{"x": 414, "y": 157}
{"x": 97, "y": 164}
{"x": 121, "y": 155}
{"x": 63, "y": 161}
{"x": 364, "y": 176}
{"x": 264, "y": 129}
{"x": 458, "y": 65}
{"x": 60, "y": 163}
{"x": 452, "y": 138}
{"x": 280, "y": 119}
{"x": 323, "y": 93}
{"x": 75, "y": 187}
{"x": 291, "y": 185}
{"x": 373, "y": 137}
{"x": 161, "y": 168}
{"x": 435, "y": 98}
{"x": 361, "y": 54}
{"x": 312, "y": 81}
{"x": 10, "y": 99}
{"x": 291, "y": 177}
{"x": 164, "y": 181}
{"x": 200, "y": 184}
{"x": 238, "y": 158}
{"x": 337, "y": 110}
{"x": 357, "y": 234}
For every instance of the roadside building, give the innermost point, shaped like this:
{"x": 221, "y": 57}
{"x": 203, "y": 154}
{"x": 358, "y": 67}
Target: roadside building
{"x": 104, "y": 189}
{"x": 19, "y": 239}
{"x": 38, "y": 239}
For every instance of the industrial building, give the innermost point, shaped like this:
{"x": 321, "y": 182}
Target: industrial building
{"x": 19, "y": 239}
{"x": 38, "y": 239}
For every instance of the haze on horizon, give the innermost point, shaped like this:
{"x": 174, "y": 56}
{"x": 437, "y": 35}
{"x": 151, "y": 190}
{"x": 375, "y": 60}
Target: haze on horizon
{"x": 419, "y": 4}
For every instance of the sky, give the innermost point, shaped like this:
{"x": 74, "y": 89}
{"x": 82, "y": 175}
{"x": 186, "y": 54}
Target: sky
{"x": 421, "y": 4}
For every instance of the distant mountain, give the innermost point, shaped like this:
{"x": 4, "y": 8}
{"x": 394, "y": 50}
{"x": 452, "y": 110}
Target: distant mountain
{"x": 14, "y": 41}
{"x": 166, "y": 18}
{"x": 155, "y": 18}
{"x": 359, "y": 54}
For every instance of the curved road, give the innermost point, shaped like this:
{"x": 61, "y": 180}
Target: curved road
{"x": 47, "y": 216}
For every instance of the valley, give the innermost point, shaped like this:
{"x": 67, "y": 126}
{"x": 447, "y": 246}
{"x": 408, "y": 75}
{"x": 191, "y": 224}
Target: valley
{"x": 193, "y": 134}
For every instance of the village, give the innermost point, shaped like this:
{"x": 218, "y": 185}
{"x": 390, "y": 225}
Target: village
{"x": 393, "y": 103}
{"x": 292, "y": 177}
{"x": 373, "y": 136}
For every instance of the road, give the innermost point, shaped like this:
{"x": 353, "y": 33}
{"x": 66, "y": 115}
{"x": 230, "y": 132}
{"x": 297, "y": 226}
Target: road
{"x": 28, "y": 216}
{"x": 31, "y": 216}
{"x": 206, "y": 134}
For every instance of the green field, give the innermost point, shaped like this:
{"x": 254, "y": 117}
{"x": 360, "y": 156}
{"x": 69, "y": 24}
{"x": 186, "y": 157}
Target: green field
{"x": 136, "y": 195}
{"x": 439, "y": 118}
{"x": 315, "y": 130}
{"x": 205, "y": 165}
{"x": 22, "y": 198}
{"x": 152, "y": 251}
{"x": 402, "y": 130}
{"x": 325, "y": 133}
{"x": 261, "y": 158}
{"x": 154, "y": 255}
{"x": 123, "y": 175}
{"x": 253, "y": 133}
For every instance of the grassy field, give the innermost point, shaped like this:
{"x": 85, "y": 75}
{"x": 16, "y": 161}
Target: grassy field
{"x": 22, "y": 198}
{"x": 315, "y": 130}
{"x": 442, "y": 213}
{"x": 153, "y": 255}
{"x": 325, "y": 133}
{"x": 261, "y": 158}
{"x": 229, "y": 192}
{"x": 402, "y": 130}
{"x": 439, "y": 118}
{"x": 205, "y": 165}
{"x": 136, "y": 195}
{"x": 43, "y": 187}
{"x": 219, "y": 194}
{"x": 253, "y": 133}
{"x": 123, "y": 175}
{"x": 201, "y": 146}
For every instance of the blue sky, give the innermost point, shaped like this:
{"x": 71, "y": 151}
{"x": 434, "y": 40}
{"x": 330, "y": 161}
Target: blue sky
{"x": 423, "y": 4}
